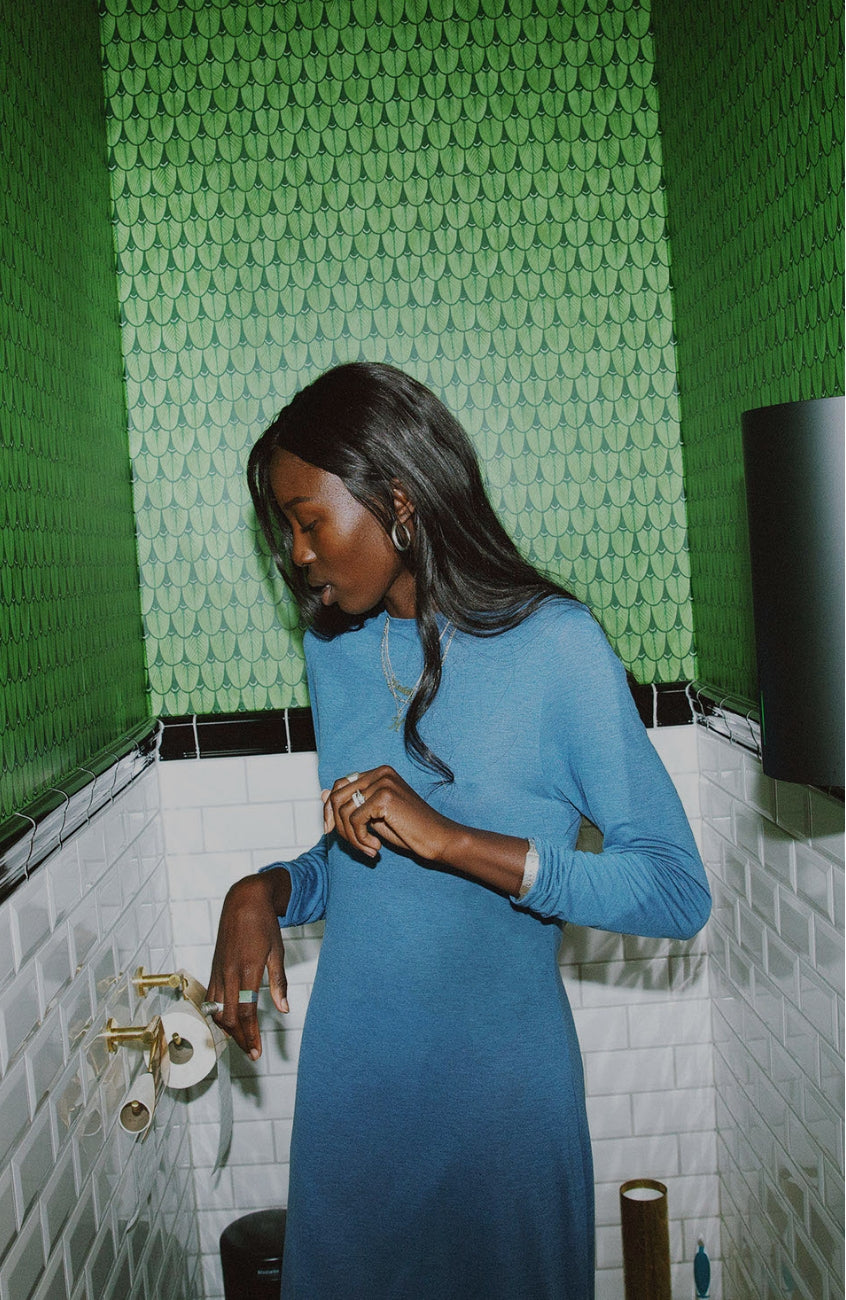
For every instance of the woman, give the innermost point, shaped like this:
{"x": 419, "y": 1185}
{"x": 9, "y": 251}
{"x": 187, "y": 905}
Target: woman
{"x": 467, "y": 713}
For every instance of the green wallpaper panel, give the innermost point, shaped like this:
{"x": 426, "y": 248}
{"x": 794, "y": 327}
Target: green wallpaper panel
{"x": 470, "y": 189}
{"x": 752, "y": 120}
{"x": 71, "y": 660}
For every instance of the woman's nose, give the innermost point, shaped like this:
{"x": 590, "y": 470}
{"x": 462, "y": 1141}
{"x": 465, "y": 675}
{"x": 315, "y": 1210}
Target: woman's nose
{"x": 301, "y": 552}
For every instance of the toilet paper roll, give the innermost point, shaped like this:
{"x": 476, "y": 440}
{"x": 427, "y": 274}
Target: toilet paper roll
{"x": 136, "y": 1113}
{"x": 224, "y": 1098}
{"x": 193, "y": 1058}
{"x": 194, "y": 1042}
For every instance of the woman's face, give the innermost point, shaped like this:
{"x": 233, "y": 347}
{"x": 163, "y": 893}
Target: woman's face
{"x": 344, "y": 550}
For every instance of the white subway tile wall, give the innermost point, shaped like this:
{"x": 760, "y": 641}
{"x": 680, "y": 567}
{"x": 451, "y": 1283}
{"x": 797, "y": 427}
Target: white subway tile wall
{"x": 775, "y": 855}
{"x": 730, "y": 1093}
{"x": 86, "y": 1210}
{"x": 642, "y": 1009}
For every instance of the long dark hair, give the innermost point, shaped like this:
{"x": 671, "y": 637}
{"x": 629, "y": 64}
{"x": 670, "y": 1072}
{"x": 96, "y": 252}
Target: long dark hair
{"x": 375, "y": 427}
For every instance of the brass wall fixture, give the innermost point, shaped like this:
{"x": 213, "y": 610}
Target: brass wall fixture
{"x": 136, "y": 1113}
{"x": 189, "y": 988}
{"x": 182, "y": 1045}
{"x": 142, "y": 981}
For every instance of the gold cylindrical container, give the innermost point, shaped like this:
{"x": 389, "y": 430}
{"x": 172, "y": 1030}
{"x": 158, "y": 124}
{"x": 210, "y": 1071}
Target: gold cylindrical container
{"x": 646, "y": 1240}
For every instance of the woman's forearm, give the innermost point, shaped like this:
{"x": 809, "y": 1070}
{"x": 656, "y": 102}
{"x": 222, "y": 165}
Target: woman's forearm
{"x": 369, "y": 809}
{"x": 493, "y": 859}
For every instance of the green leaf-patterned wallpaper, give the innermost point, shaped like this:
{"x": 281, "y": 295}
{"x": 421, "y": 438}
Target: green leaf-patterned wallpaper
{"x": 71, "y": 650}
{"x": 752, "y": 121}
{"x": 470, "y": 189}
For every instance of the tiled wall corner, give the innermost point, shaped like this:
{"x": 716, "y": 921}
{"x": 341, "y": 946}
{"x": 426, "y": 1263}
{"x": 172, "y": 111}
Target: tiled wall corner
{"x": 642, "y": 1009}
{"x": 85, "y": 1209}
{"x": 677, "y": 749}
{"x": 775, "y": 854}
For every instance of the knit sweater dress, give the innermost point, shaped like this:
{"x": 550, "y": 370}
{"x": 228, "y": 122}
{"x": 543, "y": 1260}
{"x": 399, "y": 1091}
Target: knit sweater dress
{"x": 440, "y": 1148}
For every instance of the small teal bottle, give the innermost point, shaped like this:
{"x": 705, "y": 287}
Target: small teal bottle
{"x": 701, "y": 1272}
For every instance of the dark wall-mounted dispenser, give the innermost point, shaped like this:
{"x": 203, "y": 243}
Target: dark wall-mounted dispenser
{"x": 793, "y": 457}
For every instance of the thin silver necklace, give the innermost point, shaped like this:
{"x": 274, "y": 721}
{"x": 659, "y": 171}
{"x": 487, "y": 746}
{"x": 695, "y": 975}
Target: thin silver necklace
{"x": 403, "y": 695}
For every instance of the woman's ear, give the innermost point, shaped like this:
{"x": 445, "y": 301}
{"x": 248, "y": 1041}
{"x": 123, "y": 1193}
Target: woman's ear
{"x": 403, "y": 505}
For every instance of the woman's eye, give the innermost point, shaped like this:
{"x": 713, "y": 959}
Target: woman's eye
{"x": 308, "y": 528}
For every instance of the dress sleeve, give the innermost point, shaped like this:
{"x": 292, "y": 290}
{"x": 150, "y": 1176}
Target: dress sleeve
{"x": 309, "y": 885}
{"x": 649, "y": 879}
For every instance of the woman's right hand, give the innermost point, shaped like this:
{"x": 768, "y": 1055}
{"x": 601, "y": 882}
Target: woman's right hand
{"x": 248, "y": 942}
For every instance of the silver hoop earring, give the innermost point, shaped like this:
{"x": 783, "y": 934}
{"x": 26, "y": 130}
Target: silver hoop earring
{"x": 401, "y": 543}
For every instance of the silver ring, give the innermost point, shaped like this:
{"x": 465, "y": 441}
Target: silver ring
{"x": 211, "y": 1008}
{"x": 357, "y": 798}
{"x": 247, "y": 996}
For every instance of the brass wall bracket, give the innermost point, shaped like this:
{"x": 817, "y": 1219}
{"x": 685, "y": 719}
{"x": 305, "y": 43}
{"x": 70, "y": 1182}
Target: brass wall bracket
{"x": 143, "y": 981}
{"x": 145, "y": 1036}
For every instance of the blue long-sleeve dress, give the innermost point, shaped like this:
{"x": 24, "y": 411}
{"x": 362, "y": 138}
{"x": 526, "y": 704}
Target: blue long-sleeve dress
{"x": 440, "y": 1147}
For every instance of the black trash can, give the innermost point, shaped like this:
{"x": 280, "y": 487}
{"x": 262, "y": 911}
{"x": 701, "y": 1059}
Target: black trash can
{"x": 251, "y": 1256}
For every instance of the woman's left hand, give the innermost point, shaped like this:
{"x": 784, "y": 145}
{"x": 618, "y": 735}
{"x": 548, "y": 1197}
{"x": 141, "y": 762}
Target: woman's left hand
{"x": 371, "y": 808}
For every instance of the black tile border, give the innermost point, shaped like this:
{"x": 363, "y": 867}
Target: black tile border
{"x": 663, "y": 704}
{"x": 290, "y": 731}
{"x": 237, "y": 735}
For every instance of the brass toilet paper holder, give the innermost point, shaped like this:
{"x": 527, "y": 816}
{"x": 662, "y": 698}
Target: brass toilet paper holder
{"x": 174, "y": 1044}
{"x": 151, "y": 1036}
{"x": 189, "y": 988}
{"x": 142, "y": 981}
{"x": 145, "y": 1035}
{"x": 136, "y": 1113}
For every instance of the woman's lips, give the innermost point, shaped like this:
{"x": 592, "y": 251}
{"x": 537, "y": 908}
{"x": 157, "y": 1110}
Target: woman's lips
{"x": 326, "y": 590}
